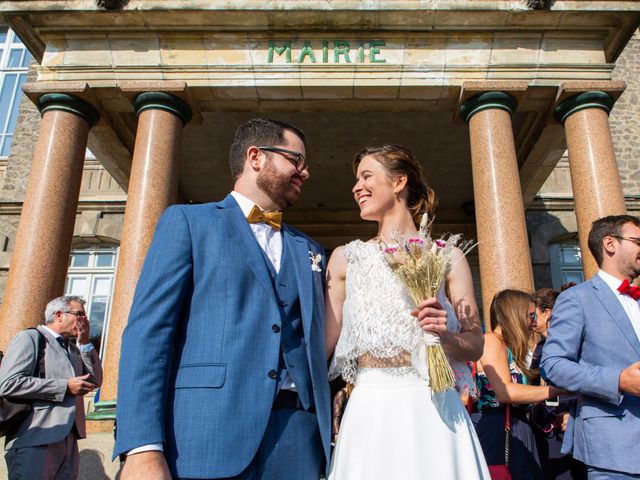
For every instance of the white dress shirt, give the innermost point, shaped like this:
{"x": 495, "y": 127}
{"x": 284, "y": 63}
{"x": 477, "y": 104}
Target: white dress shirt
{"x": 630, "y": 305}
{"x": 269, "y": 239}
{"x": 83, "y": 348}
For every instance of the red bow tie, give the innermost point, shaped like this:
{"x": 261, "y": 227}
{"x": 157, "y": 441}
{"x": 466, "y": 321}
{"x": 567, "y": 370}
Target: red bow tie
{"x": 627, "y": 289}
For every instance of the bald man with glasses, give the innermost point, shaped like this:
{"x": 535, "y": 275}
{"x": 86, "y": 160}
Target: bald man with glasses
{"x": 44, "y": 445}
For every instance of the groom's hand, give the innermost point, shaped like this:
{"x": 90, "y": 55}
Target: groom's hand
{"x": 145, "y": 465}
{"x": 432, "y": 317}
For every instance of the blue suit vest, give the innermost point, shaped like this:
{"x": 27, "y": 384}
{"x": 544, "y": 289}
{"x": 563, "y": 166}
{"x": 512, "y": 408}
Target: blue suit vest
{"x": 293, "y": 352}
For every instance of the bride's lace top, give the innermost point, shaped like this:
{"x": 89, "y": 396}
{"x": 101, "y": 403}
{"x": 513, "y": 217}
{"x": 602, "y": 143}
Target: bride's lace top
{"x": 376, "y": 314}
{"x": 378, "y": 330}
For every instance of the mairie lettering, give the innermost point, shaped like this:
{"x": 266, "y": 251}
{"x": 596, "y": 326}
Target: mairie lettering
{"x": 325, "y": 51}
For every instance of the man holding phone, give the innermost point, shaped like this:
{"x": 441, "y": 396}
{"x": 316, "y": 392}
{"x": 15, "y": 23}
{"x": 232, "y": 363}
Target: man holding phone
{"x": 45, "y": 444}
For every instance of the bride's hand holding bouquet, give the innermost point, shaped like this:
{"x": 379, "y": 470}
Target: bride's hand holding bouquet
{"x": 432, "y": 319}
{"x": 431, "y": 315}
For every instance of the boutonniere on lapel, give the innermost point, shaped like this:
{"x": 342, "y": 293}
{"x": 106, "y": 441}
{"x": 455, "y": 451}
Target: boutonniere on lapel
{"x": 316, "y": 260}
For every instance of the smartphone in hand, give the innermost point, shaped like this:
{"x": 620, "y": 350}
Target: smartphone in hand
{"x": 552, "y": 402}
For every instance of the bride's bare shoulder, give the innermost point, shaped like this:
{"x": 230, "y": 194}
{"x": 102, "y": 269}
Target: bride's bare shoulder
{"x": 338, "y": 261}
{"x": 338, "y": 251}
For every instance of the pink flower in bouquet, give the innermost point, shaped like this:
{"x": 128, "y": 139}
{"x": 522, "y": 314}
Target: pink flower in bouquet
{"x": 414, "y": 246}
{"x": 441, "y": 243}
{"x": 393, "y": 256}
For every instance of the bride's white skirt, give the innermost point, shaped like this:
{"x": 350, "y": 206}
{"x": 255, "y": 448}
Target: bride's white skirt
{"x": 394, "y": 428}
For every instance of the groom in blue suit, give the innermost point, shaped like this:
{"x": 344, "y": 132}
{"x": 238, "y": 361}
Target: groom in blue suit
{"x": 593, "y": 348}
{"x": 222, "y": 370}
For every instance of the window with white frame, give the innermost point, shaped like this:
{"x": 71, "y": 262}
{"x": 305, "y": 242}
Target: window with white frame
{"x": 14, "y": 64}
{"x": 566, "y": 263}
{"x": 90, "y": 276}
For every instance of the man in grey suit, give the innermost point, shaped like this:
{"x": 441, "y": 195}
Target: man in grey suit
{"x": 45, "y": 445}
{"x": 593, "y": 348}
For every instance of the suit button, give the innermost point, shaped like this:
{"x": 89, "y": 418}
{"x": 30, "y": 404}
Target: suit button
{"x": 273, "y": 374}
{"x": 275, "y": 328}
{"x": 283, "y": 303}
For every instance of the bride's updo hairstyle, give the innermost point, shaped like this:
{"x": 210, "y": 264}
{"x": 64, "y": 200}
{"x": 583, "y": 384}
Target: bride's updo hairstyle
{"x": 398, "y": 160}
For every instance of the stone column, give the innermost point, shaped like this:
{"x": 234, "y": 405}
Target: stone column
{"x": 43, "y": 242}
{"x": 594, "y": 172}
{"x": 153, "y": 186}
{"x": 503, "y": 248}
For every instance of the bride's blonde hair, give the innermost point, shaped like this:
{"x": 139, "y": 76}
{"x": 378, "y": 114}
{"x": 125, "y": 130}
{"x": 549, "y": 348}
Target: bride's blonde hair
{"x": 398, "y": 160}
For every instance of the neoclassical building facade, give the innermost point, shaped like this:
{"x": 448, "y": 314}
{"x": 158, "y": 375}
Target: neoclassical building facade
{"x": 524, "y": 115}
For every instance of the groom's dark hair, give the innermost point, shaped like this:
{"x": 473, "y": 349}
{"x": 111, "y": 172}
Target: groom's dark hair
{"x": 609, "y": 226}
{"x": 259, "y": 132}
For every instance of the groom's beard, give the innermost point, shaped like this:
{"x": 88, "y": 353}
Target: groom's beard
{"x": 278, "y": 186}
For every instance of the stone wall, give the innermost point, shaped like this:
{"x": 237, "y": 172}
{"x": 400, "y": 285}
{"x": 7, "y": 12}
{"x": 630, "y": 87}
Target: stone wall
{"x": 22, "y": 147}
{"x": 624, "y": 119}
{"x": 16, "y": 175}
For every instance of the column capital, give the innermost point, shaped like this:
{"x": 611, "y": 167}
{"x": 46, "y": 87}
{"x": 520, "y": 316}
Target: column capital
{"x": 163, "y": 101}
{"x": 68, "y": 103}
{"x": 486, "y": 101}
{"x": 583, "y": 101}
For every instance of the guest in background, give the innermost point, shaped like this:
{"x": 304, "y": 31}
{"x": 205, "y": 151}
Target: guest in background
{"x": 544, "y": 300}
{"x": 505, "y": 378}
{"x": 549, "y": 418}
{"x": 45, "y": 444}
{"x": 593, "y": 347}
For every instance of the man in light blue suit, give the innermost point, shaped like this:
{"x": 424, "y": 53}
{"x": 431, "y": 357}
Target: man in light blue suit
{"x": 222, "y": 370}
{"x": 593, "y": 348}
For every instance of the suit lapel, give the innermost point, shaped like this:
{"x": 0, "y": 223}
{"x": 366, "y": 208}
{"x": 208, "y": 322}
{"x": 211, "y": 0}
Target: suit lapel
{"x": 299, "y": 257}
{"x": 56, "y": 355}
{"x": 241, "y": 233}
{"x": 616, "y": 310}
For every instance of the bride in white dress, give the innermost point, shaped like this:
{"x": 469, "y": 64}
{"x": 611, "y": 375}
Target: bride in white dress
{"x": 394, "y": 426}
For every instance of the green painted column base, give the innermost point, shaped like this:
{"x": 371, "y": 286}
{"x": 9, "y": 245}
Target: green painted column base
{"x": 103, "y": 411}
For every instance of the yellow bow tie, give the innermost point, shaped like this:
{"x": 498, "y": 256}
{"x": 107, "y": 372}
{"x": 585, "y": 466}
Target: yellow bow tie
{"x": 256, "y": 215}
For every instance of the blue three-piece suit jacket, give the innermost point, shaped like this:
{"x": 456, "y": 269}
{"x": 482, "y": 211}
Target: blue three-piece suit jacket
{"x": 200, "y": 343}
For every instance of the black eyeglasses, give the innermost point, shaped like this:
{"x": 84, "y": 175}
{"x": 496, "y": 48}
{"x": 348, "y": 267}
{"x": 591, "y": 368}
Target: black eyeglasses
{"x": 77, "y": 314}
{"x": 635, "y": 240}
{"x": 299, "y": 161}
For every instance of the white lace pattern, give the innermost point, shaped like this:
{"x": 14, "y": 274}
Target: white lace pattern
{"x": 376, "y": 317}
{"x": 376, "y": 314}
